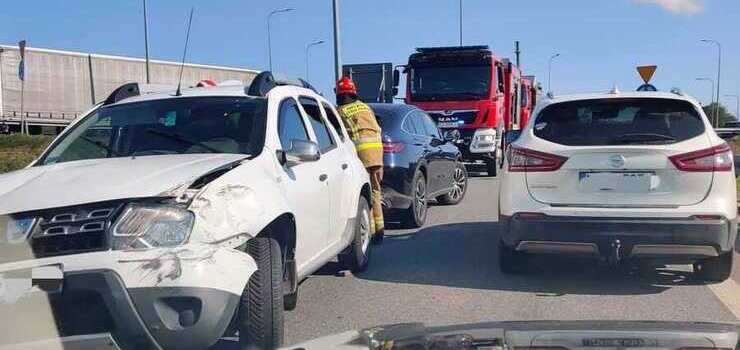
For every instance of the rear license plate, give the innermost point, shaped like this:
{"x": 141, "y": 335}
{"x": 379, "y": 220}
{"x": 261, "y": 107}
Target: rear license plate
{"x": 447, "y": 125}
{"x": 20, "y": 283}
{"x": 626, "y": 182}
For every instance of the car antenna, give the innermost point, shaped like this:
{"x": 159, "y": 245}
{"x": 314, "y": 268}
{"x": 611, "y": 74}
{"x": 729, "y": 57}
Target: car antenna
{"x": 184, "y": 53}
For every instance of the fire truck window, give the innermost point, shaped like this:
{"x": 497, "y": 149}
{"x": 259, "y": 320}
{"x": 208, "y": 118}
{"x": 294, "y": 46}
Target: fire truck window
{"x": 525, "y": 97}
{"x": 500, "y": 79}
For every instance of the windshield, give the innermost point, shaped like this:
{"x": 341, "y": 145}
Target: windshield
{"x": 450, "y": 83}
{"x": 172, "y": 126}
{"x": 602, "y": 122}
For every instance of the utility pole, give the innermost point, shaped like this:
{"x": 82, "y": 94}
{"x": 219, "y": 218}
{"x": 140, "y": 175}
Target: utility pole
{"x": 308, "y": 47}
{"x": 337, "y": 52}
{"x": 269, "y": 35}
{"x": 517, "y": 52}
{"x": 461, "y": 22}
{"x": 719, "y": 71}
{"x": 146, "y": 43}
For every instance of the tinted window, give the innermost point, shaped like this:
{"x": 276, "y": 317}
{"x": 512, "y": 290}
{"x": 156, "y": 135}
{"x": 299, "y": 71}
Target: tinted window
{"x": 618, "y": 121}
{"x": 422, "y": 120}
{"x": 290, "y": 124}
{"x": 171, "y": 126}
{"x": 333, "y": 120}
{"x": 409, "y": 125}
{"x": 323, "y": 135}
{"x": 450, "y": 83}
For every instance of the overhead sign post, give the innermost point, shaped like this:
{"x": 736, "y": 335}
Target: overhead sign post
{"x": 646, "y": 73}
{"x": 22, "y": 77}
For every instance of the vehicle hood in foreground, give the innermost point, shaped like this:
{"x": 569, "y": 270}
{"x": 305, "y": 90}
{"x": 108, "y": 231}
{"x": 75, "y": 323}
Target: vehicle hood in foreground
{"x": 565, "y": 335}
{"x": 98, "y": 180}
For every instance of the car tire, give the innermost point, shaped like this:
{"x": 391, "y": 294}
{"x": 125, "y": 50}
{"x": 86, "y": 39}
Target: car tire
{"x": 416, "y": 214}
{"x": 260, "y": 321}
{"x": 459, "y": 186}
{"x": 715, "y": 269}
{"x": 491, "y": 166}
{"x": 511, "y": 261}
{"x": 357, "y": 256}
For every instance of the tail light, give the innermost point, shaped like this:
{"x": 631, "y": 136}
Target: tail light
{"x": 393, "y": 147}
{"x": 527, "y": 160}
{"x": 718, "y": 158}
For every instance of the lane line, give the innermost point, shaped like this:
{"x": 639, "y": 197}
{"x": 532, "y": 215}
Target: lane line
{"x": 728, "y": 293}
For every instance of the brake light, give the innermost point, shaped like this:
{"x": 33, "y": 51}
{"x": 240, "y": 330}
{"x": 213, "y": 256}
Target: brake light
{"x": 718, "y": 158}
{"x": 527, "y": 160}
{"x": 393, "y": 147}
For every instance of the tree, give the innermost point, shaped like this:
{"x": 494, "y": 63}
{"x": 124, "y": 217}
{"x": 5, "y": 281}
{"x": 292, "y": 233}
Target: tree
{"x": 724, "y": 115}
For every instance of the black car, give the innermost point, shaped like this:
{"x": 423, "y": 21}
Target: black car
{"x": 420, "y": 164}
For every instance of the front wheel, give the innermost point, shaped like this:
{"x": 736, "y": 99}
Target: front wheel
{"x": 358, "y": 253}
{"x": 416, "y": 214}
{"x": 260, "y": 320}
{"x": 459, "y": 186}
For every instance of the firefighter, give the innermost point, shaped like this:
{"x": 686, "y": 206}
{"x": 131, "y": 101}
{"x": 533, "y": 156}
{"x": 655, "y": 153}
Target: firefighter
{"x": 364, "y": 131}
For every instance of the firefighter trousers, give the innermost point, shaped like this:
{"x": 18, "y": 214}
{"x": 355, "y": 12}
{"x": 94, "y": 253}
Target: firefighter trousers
{"x": 376, "y": 183}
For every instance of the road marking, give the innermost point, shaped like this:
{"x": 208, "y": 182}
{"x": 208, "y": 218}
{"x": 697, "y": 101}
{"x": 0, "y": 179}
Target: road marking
{"x": 728, "y": 293}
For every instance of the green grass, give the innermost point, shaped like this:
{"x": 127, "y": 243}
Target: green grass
{"x": 17, "y": 151}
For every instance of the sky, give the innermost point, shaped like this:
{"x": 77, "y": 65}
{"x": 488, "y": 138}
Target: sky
{"x": 600, "y": 41}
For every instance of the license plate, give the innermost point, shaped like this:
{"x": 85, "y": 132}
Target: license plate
{"x": 447, "y": 125}
{"x": 625, "y": 182}
{"x": 21, "y": 283}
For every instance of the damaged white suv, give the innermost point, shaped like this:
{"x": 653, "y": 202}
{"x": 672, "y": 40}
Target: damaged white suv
{"x": 172, "y": 219}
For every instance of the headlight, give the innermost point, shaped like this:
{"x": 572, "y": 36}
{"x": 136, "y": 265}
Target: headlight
{"x": 486, "y": 138}
{"x": 151, "y": 226}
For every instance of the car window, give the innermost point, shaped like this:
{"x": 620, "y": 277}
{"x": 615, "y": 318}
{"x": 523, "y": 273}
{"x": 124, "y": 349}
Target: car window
{"x": 290, "y": 124}
{"x": 323, "y": 135}
{"x": 334, "y": 121}
{"x": 409, "y": 125}
{"x": 425, "y": 122}
{"x": 600, "y": 122}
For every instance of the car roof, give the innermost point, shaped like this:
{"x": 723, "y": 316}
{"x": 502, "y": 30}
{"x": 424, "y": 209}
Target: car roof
{"x": 616, "y": 95}
{"x": 214, "y": 91}
{"x": 394, "y": 108}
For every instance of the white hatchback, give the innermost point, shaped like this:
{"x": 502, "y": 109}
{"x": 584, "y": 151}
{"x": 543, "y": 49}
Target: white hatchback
{"x": 639, "y": 176}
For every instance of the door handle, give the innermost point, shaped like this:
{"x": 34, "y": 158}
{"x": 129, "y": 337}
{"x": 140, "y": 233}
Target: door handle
{"x": 323, "y": 177}
{"x": 345, "y": 166}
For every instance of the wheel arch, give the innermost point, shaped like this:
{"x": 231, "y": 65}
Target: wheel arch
{"x": 283, "y": 230}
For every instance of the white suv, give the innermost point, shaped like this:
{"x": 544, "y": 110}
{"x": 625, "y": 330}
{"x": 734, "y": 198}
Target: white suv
{"x": 639, "y": 176}
{"x": 172, "y": 219}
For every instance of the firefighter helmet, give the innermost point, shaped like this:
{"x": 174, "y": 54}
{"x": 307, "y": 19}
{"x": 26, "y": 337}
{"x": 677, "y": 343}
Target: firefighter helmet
{"x": 346, "y": 86}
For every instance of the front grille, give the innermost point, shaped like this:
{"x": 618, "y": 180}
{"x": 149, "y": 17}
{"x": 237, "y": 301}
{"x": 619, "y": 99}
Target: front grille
{"x": 61, "y": 231}
{"x": 467, "y": 117}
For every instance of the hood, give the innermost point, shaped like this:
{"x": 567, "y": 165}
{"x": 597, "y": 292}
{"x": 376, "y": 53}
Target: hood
{"x": 97, "y": 180}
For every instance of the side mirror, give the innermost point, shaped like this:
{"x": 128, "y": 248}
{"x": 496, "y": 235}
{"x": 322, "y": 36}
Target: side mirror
{"x": 301, "y": 151}
{"x": 452, "y": 136}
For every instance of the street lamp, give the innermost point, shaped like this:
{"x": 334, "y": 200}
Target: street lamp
{"x": 549, "y": 70}
{"x": 737, "y": 105}
{"x": 309, "y": 46}
{"x": 719, "y": 69}
{"x": 461, "y": 22}
{"x": 146, "y": 43}
{"x": 269, "y": 35}
{"x": 711, "y": 84}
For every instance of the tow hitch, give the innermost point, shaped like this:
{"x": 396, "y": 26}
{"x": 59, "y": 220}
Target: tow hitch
{"x": 616, "y": 253}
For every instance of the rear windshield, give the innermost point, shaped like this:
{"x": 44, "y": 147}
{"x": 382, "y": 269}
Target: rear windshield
{"x": 602, "y": 122}
{"x": 386, "y": 119}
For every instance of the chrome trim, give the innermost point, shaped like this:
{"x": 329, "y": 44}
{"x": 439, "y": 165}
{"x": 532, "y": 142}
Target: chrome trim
{"x": 47, "y": 232}
{"x": 94, "y": 214}
{"x": 70, "y": 217}
{"x": 99, "y": 226}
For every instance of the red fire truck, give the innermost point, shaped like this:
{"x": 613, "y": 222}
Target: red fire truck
{"x": 471, "y": 89}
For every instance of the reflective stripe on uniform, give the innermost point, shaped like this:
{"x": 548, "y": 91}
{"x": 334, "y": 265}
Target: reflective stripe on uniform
{"x": 368, "y": 145}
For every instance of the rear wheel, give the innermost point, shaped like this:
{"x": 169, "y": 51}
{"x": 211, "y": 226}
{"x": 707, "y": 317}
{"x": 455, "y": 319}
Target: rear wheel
{"x": 459, "y": 186}
{"x": 416, "y": 214}
{"x": 260, "y": 320}
{"x": 358, "y": 253}
{"x": 511, "y": 261}
{"x": 714, "y": 269}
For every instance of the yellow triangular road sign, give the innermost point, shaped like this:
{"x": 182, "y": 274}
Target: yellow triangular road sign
{"x": 646, "y": 72}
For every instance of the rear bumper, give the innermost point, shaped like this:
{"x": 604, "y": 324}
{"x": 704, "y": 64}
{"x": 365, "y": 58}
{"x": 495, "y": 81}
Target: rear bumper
{"x": 96, "y": 302}
{"x": 669, "y": 238}
{"x": 397, "y": 187}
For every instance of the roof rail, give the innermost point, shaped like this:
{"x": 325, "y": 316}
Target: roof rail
{"x": 135, "y": 89}
{"x": 266, "y": 81}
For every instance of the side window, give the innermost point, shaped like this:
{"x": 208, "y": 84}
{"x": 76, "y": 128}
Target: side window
{"x": 290, "y": 124}
{"x": 323, "y": 135}
{"x": 410, "y": 126}
{"x": 423, "y": 121}
{"x": 334, "y": 120}
{"x": 500, "y": 78}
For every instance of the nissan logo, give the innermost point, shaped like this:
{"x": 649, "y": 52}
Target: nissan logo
{"x": 616, "y": 161}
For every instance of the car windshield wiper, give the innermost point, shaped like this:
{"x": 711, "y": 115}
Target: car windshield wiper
{"x": 179, "y": 138}
{"x": 100, "y": 144}
{"x": 641, "y": 138}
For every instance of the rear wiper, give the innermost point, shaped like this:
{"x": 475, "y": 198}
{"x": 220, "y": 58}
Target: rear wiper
{"x": 179, "y": 138}
{"x": 100, "y": 144}
{"x": 641, "y": 138}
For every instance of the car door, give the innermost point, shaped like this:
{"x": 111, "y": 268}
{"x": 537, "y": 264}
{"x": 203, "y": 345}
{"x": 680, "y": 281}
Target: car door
{"x": 437, "y": 169}
{"x": 334, "y": 165}
{"x": 305, "y": 187}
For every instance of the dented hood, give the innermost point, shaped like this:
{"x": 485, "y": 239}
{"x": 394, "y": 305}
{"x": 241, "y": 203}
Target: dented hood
{"x": 98, "y": 180}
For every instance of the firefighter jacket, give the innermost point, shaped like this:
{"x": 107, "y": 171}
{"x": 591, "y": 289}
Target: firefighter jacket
{"x": 364, "y": 131}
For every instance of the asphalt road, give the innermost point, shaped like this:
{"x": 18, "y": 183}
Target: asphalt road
{"x": 447, "y": 272}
